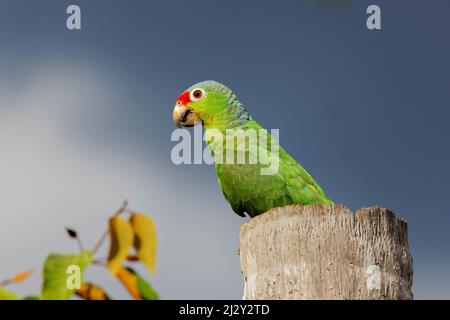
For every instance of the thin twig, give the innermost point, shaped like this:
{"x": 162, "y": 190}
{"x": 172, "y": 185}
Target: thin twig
{"x": 74, "y": 235}
{"x": 100, "y": 241}
{"x": 80, "y": 244}
{"x": 105, "y": 234}
{"x": 99, "y": 263}
{"x": 5, "y": 282}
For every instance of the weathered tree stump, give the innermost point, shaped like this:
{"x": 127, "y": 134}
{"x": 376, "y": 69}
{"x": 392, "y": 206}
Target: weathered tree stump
{"x": 326, "y": 252}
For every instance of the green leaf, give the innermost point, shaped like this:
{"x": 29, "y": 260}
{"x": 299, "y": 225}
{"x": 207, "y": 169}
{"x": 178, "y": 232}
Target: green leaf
{"x": 56, "y": 275}
{"x": 6, "y": 294}
{"x": 145, "y": 289}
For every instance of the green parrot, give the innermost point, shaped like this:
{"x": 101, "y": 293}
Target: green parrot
{"x": 245, "y": 185}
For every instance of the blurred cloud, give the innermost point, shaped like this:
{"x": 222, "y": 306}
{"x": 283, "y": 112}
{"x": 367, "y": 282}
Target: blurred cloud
{"x": 50, "y": 180}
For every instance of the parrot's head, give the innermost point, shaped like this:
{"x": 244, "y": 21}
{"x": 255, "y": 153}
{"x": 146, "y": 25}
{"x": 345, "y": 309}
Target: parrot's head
{"x": 210, "y": 103}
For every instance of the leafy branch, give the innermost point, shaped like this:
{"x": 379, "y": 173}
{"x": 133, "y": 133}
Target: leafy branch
{"x": 131, "y": 240}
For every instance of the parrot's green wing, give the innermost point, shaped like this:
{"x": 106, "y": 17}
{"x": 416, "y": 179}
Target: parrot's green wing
{"x": 299, "y": 185}
{"x": 249, "y": 191}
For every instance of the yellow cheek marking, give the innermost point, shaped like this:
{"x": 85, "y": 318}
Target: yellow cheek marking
{"x": 199, "y": 113}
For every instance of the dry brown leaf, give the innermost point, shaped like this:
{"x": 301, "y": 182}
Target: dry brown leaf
{"x": 129, "y": 280}
{"x": 90, "y": 291}
{"x": 21, "y": 276}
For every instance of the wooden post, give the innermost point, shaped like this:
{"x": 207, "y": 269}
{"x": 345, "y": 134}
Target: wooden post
{"x": 326, "y": 252}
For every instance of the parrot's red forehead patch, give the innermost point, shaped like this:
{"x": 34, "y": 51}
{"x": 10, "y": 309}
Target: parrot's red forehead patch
{"x": 184, "y": 98}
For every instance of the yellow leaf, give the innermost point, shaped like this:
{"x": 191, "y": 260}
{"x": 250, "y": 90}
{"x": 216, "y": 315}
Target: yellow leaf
{"x": 129, "y": 281}
{"x": 90, "y": 291}
{"x": 121, "y": 239}
{"x": 145, "y": 240}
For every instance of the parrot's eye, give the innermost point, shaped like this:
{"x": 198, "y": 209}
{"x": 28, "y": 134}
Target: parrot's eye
{"x": 197, "y": 94}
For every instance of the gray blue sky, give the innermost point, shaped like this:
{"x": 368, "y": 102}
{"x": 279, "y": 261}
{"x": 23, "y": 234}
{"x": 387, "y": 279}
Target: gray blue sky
{"x": 85, "y": 121}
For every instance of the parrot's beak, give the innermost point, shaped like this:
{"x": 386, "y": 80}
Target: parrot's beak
{"x": 183, "y": 117}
